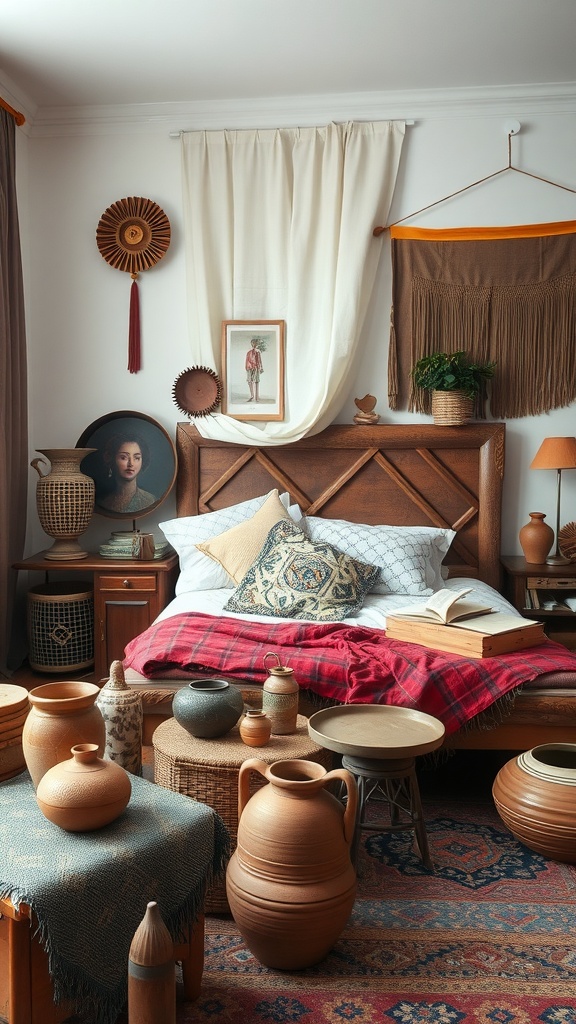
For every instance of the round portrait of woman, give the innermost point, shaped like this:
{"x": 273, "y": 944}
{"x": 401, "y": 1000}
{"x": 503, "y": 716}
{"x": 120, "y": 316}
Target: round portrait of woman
{"x": 133, "y": 467}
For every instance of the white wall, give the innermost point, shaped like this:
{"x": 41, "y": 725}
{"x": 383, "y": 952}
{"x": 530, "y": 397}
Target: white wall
{"x": 77, "y": 318}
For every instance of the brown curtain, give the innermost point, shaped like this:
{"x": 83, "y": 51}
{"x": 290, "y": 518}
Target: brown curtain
{"x": 13, "y": 389}
{"x": 505, "y": 295}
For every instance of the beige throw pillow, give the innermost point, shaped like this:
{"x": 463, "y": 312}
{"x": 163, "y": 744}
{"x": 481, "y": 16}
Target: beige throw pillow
{"x": 237, "y": 549}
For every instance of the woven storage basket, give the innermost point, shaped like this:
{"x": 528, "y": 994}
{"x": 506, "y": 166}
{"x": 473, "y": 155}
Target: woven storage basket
{"x": 451, "y": 408}
{"x": 61, "y": 627}
{"x": 207, "y": 770}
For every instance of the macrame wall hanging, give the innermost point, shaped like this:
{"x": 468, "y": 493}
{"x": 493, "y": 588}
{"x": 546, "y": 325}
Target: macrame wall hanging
{"x": 133, "y": 235}
{"x": 503, "y": 294}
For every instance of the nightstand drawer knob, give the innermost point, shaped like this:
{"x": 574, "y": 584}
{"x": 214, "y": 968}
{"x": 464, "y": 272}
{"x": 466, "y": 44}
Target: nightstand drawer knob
{"x": 126, "y": 583}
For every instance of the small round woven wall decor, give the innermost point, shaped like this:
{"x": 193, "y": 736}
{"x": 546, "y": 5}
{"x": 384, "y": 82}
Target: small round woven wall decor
{"x": 197, "y": 391}
{"x": 133, "y": 235}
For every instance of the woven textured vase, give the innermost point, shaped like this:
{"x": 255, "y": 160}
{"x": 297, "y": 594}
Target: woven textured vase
{"x": 535, "y": 795}
{"x": 64, "y": 500}
{"x": 451, "y": 408}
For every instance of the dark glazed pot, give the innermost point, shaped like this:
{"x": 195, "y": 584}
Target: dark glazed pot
{"x": 208, "y": 708}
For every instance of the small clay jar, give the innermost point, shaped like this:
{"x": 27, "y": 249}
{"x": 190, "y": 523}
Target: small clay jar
{"x": 255, "y": 728}
{"x": 84, "y": 793}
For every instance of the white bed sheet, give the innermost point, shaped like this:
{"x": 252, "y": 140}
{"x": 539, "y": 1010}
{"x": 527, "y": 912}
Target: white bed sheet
{"x": 372, "y": 613}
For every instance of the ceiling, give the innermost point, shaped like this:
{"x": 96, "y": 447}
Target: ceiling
{"x": 68, "y": 53}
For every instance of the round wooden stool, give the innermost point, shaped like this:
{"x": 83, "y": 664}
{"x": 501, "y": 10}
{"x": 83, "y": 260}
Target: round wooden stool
{"x": 379, "y": 744}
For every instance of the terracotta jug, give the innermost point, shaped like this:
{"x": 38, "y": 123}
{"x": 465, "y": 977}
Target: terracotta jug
{"x": 290, "y": 882}
{"x": 85, "y": 792}
{"x": 535, "y": 795}
{"x": 280, "y": 694}
{"x": 151, "y": 972}
{"x": 536, "y": 538}
{"x": 61, "y": 715}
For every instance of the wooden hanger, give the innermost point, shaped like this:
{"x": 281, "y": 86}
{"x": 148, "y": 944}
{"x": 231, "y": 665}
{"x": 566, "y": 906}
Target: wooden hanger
{"x": 503, "y": 170}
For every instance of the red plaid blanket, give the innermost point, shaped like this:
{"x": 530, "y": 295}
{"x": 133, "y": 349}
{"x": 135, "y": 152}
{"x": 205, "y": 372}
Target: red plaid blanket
{"x": 352, "y": 665}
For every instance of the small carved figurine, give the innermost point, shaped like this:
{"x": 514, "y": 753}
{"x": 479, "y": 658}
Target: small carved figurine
{"x": 366, "y": 407}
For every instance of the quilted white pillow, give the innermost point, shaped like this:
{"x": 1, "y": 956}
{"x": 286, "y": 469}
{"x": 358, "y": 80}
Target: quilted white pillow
{"x": 197, "y": 570}
{"x": 409, "y": 557}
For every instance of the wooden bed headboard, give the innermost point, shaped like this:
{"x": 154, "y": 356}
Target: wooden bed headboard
{"x": 405, "y": 475}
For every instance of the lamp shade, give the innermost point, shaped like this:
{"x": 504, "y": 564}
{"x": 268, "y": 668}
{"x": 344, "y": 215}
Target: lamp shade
{"x": 555, "y": 453}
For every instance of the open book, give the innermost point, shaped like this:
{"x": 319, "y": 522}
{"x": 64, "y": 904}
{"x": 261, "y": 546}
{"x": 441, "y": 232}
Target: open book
{"x": 445, "y": 607}
{"x": 450, "y": 608}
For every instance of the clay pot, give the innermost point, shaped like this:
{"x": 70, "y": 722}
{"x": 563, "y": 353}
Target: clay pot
{"x": 85, "y": 792}
{"x": 208, "y": 708}
{"x": 121, "y": 709}
{"x": 290, "y": 882}
{"x": 280, "y": 695}
{"x": 255, "y": 728}
{"x": 151, "y": 972}
{"x": 536, "y": 538}
{"x": 61, "y": 715}
{"x": 535, "y": 795}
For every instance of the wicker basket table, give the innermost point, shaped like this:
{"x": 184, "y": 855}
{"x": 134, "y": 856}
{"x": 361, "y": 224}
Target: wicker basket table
{"x": 207, "y": 770}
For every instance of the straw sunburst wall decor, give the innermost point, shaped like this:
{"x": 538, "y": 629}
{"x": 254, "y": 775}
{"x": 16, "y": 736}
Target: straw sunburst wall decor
{"x": 133, "y": 235}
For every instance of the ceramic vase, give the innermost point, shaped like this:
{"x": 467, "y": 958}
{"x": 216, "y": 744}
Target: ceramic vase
{"x": 536, "y": 538}
{"x": 535, "y": 795}
{"x": 208, "y": 708}
{"x": 61, "y": 715}
{"x": 290, "y": 882}
{"x": 64, "y": 500}
{"x": 255, "y": 728}
{"x": 121, "y": 709}
{"x": 151, "y": 972}
{"x": 280, "y": 695}
{"x": 85, "y": 792}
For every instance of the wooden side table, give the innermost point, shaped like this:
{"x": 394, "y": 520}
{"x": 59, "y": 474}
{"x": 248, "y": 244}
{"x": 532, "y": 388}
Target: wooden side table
{"x": 208, "y": 770}
{"x": 128, "y": 595}
{"x": 528, "y": 587}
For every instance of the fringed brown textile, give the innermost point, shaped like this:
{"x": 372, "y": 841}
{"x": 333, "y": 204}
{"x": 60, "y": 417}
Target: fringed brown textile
{"x": 511, "y": 300}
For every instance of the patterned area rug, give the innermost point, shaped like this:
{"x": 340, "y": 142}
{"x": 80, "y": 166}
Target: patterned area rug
{"x": 489, "y": 938}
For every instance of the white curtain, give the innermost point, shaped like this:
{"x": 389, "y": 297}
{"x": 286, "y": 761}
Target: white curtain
{"x": 278, "y": 226}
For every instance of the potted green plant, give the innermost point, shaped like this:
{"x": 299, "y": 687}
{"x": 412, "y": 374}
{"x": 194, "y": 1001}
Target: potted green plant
{"x": 454, "y": 382}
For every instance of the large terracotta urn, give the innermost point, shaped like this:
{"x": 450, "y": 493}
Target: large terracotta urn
{"x": 61, "y": 715}
{"x": 85, "y": 792}
{"x": 290, "y": 882}
{"x": 535, "y": 795}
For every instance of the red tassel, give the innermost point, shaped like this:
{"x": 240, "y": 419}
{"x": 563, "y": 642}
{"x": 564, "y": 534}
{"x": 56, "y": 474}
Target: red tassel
{"x": 134, "y": 330}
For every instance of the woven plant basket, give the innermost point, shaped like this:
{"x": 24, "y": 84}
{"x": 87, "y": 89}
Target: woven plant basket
{"x": 451, "y": 408}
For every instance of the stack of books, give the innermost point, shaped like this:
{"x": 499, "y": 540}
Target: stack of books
{"x": 449, "y": 622}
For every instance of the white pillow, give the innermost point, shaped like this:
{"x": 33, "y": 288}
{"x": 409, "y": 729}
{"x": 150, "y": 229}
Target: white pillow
{"x": 197, "y": 570}
{"x": 409, "y": 557}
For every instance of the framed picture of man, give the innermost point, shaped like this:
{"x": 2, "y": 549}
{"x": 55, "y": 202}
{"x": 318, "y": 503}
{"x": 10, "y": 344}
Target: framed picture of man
{"x": 253, "y": 369}
{"x": 133, "y": 467}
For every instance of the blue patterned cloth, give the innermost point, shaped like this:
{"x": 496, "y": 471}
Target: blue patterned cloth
{"x": 89, "y": 890}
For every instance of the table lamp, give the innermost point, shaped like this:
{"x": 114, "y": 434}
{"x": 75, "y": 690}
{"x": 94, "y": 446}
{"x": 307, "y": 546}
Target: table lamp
{"x": 556, "y": 453}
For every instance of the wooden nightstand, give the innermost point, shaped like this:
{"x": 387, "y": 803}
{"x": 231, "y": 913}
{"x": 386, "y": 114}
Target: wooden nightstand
{"x": 529, "y": 586}
{"x": 128, "y": 595}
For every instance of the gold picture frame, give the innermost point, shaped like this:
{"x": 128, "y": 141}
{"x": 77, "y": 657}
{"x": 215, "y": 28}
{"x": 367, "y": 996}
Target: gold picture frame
{"x": 253, "y": 369}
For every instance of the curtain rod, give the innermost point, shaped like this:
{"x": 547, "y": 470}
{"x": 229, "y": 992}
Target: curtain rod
{"x": 18, "y": 117}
